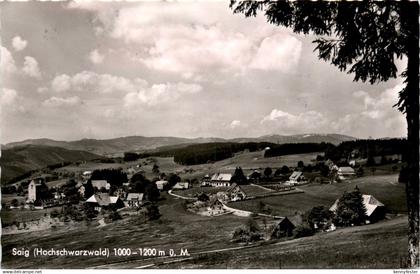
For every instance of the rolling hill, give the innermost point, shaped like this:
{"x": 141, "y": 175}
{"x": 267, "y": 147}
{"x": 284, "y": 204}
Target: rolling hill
{"x": 117, "y": 146}
{"x": 19, "y": 160}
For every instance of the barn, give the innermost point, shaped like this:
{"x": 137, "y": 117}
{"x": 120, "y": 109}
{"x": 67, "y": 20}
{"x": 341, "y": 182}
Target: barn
{"x": 236, "y": 193}
{"x": 101, "y": 201}
{"x": 375, "y": 210}
{"x": 221, "y": 179}
{"x": 284, "y": 228}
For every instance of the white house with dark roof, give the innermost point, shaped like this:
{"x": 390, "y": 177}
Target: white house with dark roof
{"x": 161, "y": 184}
{"x": 102, "y": 200}
{"x": 182, "y": 185}
{"x": 221, "y": 179}
{"x": 205, "y": 181}
{"x": 134, "y": 199}
{"x": 345, "y": 173}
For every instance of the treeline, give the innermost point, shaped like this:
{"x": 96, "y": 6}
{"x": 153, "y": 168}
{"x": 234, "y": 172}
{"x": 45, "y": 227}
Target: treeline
{"x": 212, "y": 152}
{"x": 208, "y": 152}
{"x": 368, "y": 148}
{"x": 115, "y": 177}
{"x": 298, "y": 148}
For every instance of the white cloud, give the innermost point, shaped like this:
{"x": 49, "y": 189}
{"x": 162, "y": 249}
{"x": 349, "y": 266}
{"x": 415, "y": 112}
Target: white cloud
{"x": 190, "y": 39}
{"x": 235, "y": 124}
{"x": 18, "y": 43}
{"x": 95, "y": 57}
{"x": 94, "y": 82}
{"x": 7, "y": 63}
{"x": 31, "y": 67}
{"x": 278, "y": 52}
{"x": 59, "y": 101}
{"x": 160, "y": 93}
{"x": 8, "y": 96}
{"x": 61, "y": 83}
{"x": 380, "y": 106}
{"x": 377, "y": 115}
{"x": 309, "y": 121}
{"x": 42, "y": 89}
{"x": 192, "y": 49}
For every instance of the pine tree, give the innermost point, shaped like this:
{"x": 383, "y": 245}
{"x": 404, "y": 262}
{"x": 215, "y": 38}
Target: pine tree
{"x": 238, "y": 177}
{"x": 350, "y": 209}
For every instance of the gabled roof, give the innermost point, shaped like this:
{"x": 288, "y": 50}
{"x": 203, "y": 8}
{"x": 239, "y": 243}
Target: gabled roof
{"x": 135, "y": 197}
{"x": 161, "y": 182}
{"x": 346, "y": 169}
{"x": 100, "y": 184}
{"x": 295, "y": 175}
{"x": 370, "y": 203}
{"x": 181, "y": 185}
{"x": 102, "y": 199}
{"x": 285, "y": 220}
{"x": 221, "y": 177}
{"x": 236, "y": 186}
{"x": 37, "y": 182}
{"x": 232, "y": 187}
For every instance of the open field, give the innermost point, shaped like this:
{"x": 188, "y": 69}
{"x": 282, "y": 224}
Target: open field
{"x": 365, "y": 246}
{"x": 380, "y": 245}
{"x": 250, "y": 190}
{"x": 176, "y": 229}
{"x": 56, "y": 183}
{"x": 248, "y": 161}
{"x": 384, "y": 187}
{"x": 192, "y": 192}
{"x": 8, "y": 216}
{"x": 7, "y": 198}
{"x": 254, "y": 190}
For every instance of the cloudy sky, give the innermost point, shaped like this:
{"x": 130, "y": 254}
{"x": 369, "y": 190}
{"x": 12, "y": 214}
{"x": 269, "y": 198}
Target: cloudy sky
{"x": 104, "y": 70}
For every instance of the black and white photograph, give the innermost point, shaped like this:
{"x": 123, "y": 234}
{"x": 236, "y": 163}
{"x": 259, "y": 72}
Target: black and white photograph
{"x": 191, "y": 134}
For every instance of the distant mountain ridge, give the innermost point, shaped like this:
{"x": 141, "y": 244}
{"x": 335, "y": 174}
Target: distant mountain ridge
{"x": 120, "y": 145}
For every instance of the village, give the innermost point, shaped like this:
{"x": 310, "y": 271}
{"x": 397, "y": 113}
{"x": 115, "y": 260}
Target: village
{"x": 270, "y": 203}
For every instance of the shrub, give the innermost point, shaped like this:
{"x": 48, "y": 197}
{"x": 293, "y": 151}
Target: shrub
{"x": 114, "y": 216}
{"x": 54, "y": 213}
{"x": 242, "y": 234}
{"x": 90, "y": 212}
{"x": 318, "y": 217}
{"x": 14, "y": 203}
{"x": 152, "y": 212}
{"x": 350, "y": 209}
{"x": 303, "y": 231}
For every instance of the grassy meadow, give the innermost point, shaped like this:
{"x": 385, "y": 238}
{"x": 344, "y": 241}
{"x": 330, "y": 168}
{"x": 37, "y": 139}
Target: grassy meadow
{"x": 384, "y": 187}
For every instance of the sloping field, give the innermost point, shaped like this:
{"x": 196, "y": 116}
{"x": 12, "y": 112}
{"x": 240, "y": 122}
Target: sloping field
{"x": 193, "y": 192}
{"x": 381, "y": 245}
{"x": 176, "y": 229}
{"x": 385, "y": 188}
{"x": 19, "y": 160}
{"x": 254, "y": 190}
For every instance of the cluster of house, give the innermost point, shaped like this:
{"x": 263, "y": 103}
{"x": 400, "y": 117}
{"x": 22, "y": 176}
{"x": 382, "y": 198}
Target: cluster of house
{"x": 343, "y": 173}
{"x": 355, "y": 158}
{"x": 40, "y": 196}
{"x": 375, "y": 211}
{"x": 121, "y": 198}
{"x": 225, "y": 179}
